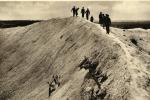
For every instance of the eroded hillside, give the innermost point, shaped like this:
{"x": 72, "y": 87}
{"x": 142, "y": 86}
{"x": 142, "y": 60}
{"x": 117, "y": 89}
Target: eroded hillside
{"x": 31, "y": 55}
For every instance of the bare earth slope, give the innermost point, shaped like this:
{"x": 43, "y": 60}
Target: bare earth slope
{"x": 31, "y": 55}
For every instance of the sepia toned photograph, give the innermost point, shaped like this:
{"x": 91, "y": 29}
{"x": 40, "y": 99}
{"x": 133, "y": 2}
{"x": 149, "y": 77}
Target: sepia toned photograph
{"x": 75, "y": 50}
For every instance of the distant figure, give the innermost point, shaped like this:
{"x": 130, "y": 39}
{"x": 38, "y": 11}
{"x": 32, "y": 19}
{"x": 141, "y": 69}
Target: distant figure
{"x": 107, "y": 22}
{"x": 82, "y": 12}
{"x": 73, "y": 10}
{"x": 87, "y": 14}
{"x": 76, "y": 11}
{"x": 92, "y": 19}
{"x": 51, "y": 88}
{"x": 101, "y": 18}
{"x": 56, "y": 80}
{"x": 54, "y": 84}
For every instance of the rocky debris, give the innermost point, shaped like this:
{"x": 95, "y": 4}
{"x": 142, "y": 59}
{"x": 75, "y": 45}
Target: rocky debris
{"x": 97, "y": 76}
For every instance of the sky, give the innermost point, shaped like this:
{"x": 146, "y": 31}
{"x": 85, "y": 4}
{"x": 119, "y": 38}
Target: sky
{"x": 43, "y": 10}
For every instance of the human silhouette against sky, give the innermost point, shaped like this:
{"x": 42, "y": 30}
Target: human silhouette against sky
{"x": 101, "y": 18}
{"x": 76, "y": 11}
{"x": 107, "y": 22}
{"x": 82, "y": 12}
{"x": 73, "y": 10}
{"x": 87, "y": 14}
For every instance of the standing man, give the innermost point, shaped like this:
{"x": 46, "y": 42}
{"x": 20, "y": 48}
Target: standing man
{"x": 107, "y": 21}
{"x": 73, "y": 10}
{"x": 82, "y": 12}
{"x": 51, "y": 88}
{"x": 87, "y": 14}
{"x": 101, "y": 18}
{"x": 76, "y": 11}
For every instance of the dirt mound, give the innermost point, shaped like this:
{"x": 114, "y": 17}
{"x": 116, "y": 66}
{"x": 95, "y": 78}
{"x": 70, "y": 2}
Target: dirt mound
{"x": 90, "y": 64}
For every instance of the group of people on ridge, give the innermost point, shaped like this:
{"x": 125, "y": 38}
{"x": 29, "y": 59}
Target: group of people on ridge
{"x": 104, "y": 19}
{"x": 83, "y": 13}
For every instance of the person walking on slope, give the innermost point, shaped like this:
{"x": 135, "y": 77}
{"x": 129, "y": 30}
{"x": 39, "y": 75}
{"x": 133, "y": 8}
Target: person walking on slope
{"x": 76, "y": 11}
{"x": 87, "y": 14}
{"x": 101, "y": 18}
{"x": 107, "y": 22}
{"x": 82, "y": 12}
{"x": 92, "y": 19}
{"x": 73, "y": 10}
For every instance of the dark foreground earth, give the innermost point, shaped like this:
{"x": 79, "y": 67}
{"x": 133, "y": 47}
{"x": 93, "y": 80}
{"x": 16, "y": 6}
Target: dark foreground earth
{"x": 129, "y": 24}
{"x": 16, "y": 23}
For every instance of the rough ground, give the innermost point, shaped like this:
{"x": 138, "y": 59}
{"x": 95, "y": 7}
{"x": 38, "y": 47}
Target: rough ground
{"x": 31, "y": 55}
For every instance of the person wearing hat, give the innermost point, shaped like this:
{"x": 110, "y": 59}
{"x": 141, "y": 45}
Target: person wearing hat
{"x": 87, "y": 14}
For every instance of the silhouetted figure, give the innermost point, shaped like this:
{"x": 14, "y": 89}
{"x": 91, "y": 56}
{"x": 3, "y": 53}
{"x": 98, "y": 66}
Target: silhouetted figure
{"x": 87, "y": 14}
{"x": 52, "y": 85}
{"x": 92, "y": 19}
{"x": 76, "y": 11}
{"x": 82, "y": 12}
{"x": 107, "y": 21}
{"x": 73, "y": 10}
{"x": 101, "y": 18}
{"x": 51, "y": 88}
{"x": 56, "y": 80}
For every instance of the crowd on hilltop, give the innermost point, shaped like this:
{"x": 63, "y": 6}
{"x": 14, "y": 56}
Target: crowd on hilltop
{"x": 104, "y": 19}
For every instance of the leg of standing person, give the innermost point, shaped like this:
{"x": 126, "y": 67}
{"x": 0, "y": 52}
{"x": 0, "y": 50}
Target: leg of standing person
{"x": 74, "y": 13}
{"x": 103, "y": 25}
{"x": 49, "y": 92}
{"x": 82, "y": 15}
{"x": 107, "y": 29}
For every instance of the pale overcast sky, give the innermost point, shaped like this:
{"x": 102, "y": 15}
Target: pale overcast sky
{"x": 118, "y": 10}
